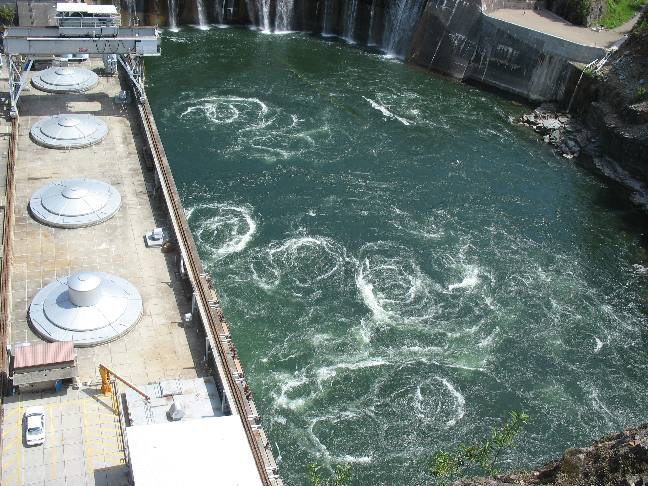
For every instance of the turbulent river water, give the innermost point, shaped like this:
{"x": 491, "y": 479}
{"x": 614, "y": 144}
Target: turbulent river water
{"x": 401, "y": 264}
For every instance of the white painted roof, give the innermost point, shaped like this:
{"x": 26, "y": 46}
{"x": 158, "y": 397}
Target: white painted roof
{"x": 85, "y": 8}
{"x": 199, "y": 452}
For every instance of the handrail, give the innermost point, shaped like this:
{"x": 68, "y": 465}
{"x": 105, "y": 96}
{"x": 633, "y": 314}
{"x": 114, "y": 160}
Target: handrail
{"x": 7, "y": 252}
{"x": 207, "y": 302}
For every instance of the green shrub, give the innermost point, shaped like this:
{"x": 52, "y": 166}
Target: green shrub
{"x": 620, "y": 11}
{"x": 341, "y": 477}
{"x": 642, "y": 93}
{"x": 478, "y": 457}
{"x": 7, "y": 15}
{"x": 641, "y": 28}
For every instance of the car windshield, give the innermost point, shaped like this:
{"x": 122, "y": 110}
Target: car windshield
{"x": 34, "y": 430}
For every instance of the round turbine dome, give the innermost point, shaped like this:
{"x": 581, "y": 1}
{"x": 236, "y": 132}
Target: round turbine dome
{"x": 89, "y": 308}
{"x": 65, "y": 80}
{"x": 75, "y": 203}
{"x": 69, "y": 131}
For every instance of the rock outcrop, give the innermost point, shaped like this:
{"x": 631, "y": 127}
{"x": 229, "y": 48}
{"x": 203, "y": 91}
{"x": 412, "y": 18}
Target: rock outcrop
{"x": 615, "y": 460}
{"x": 611, "y": 108}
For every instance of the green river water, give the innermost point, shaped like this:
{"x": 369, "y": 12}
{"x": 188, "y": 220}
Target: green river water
{"x": 401, "y": 264}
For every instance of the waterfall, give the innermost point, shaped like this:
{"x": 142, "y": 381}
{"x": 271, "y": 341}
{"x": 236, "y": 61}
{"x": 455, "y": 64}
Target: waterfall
{"x": 592, "y": 68}
{"x": 372, "y": 18}
{"x": 173, "y": 15}
{"x": 264, "y": 14}
{"x": 202, "y": 19}
{"x": 326, "y": 20}
{"x": 249, "y": 6}
{"x": 283, "y": 21}
{"x": 400, "y": 24}
{"x": 219, "y": 11}
{"x": 131, "y": 8}
{"x": 350, "y": 14}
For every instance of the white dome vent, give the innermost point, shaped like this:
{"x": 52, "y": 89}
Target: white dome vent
{"x": 75, "y": 203}
{"x": 89, "y": 308}
{"x": 69, "y": 131}
{"x": 65, "y": 80}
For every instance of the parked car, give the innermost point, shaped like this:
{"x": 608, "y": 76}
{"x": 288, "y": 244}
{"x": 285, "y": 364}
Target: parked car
{"x": 35, "y": 425}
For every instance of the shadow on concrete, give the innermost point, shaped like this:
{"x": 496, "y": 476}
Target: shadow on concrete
{"x": 113, "y": 476}
{"x": 95, "y": 394}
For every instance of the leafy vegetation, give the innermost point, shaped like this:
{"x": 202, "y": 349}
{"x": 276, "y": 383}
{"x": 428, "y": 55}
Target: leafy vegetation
{"x": 7, "y": 15}
{"x": 341, "y": 477}
{"x": 620, "y": 11}
{"x": 479, "y": 457}
{"x": 641, "y": 28}
{"x": 642, "y": 93}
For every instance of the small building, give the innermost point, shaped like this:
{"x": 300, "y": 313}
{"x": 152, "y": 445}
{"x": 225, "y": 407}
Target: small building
{"x": 43, "y": 366}
{"x": 200, "y": 452}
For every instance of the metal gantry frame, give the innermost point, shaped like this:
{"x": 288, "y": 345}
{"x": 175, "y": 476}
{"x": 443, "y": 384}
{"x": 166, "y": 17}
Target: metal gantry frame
{"x": 23, "y": 45}
{"x": 18, "y": 67}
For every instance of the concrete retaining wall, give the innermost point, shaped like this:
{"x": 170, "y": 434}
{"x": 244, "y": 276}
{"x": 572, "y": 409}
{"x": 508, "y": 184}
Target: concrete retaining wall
{"x": 456, "y": 38}
{"x": 549, "y": 43}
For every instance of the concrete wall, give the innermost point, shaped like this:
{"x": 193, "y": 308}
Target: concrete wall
{"x": 453, "y": 37}
{"x": 550, "y": 44}
{"x": 456, "y": 38}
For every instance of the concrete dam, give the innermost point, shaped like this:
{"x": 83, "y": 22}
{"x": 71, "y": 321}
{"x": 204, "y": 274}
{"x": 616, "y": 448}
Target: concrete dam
{"x": 252, "y": 242}
{"x": 464, "y": 39}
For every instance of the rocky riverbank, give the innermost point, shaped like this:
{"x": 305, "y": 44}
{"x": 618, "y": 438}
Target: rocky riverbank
{"x": 606, "y": 128}
{"x": 615, "y": 460}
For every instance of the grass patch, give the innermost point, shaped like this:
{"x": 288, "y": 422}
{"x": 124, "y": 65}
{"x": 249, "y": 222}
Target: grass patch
{"x": 620, "y": 11}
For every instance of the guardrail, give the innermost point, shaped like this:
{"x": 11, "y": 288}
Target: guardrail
{"x": 236, "y": 389}
{"x": 7, "y": 249}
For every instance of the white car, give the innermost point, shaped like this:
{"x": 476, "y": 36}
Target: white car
{"x": 35, "y": 425}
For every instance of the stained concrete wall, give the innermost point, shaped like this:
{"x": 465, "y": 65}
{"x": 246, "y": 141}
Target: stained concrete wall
{"x": 456, "y": 38}
{"x": 453, "y": 37}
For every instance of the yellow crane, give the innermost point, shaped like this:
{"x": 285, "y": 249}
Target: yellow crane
{"x": 106, "y": 388}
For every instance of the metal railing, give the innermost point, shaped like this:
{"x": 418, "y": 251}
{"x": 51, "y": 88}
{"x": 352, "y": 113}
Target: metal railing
{"x": 211, "y": 315}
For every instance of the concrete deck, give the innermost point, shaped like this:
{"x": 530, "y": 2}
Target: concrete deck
{"x": 158, "y": 347}
{"x": 549, "y": 23}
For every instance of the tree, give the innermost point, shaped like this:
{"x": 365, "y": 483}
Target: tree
{"x": 341, "y": 477}
{"x": 7, "y": 15}
{"x": 480, "y": 456}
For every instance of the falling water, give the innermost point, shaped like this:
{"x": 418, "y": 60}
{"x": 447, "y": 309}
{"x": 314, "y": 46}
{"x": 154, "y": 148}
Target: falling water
{"x": 400, "y": 25}
{"x": 264, "y": 14}
{"x": 249, "y": 6}
{"x": 372, "y": 16}
{"x": 283, "y": 21}
{"x": 173, "y": 15}
{"x": 326, "y": 21}
{"x": 132, "y": 11}
{"x": 349, "y": 26}
{"x": 592, "y": 68}
{"x": 202, "y": 19}
{"x": 219, "y": 11}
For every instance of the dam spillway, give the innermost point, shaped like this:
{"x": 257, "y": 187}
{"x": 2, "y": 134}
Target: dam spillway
{"x": 401, "y": 262}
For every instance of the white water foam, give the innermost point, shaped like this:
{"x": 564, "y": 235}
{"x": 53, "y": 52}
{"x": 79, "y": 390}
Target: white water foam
{"x": 301, "y": 263}
{"x": 460, "y": 402}
{"x": 327, "y": 372}
{"x": 221, "y": 228}
{"x": 392, "y": 285}
{"x": 228, "y": 109}
{"x": 385, "y": 111}
{"x": 288, "y": 383}
{"x": 640, "y": 269}
{"x": 470, "y": 279}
